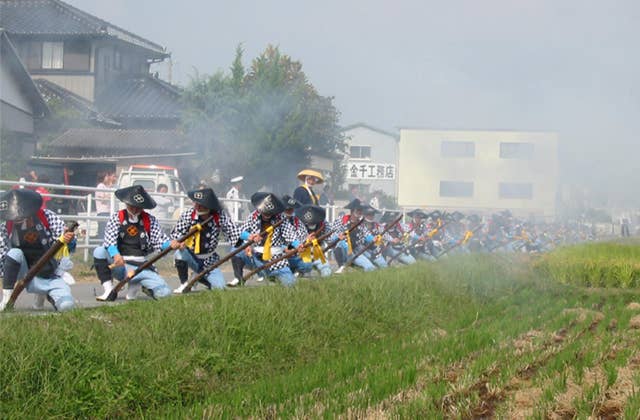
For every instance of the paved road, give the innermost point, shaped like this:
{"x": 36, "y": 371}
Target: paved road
{"x": 85, "y": 293}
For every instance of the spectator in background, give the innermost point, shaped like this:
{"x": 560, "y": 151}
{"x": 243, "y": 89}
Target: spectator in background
{"x": 326, "y": 198}
{"x": 624, "y": 227}
{"x": 106, "y": 179}
{"x": 164, "y": 203}
{"x": 27, "y": 176}
{"x": 374, "y": 201}
{"x": 234, "y": 207}
{"x": 42, "y": 190}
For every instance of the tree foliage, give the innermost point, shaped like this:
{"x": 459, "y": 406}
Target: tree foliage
{"x": 264, "y": 122}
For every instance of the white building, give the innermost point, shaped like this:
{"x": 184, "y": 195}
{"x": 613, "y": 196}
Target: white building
{"x": 481, "y": 171}
{"x": 371, "y": 160}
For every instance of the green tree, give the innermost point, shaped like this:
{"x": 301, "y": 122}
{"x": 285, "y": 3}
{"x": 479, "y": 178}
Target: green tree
{"x": 264, "y": 122}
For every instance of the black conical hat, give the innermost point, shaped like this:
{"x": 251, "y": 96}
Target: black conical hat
{"x": 136, "y": 196}
{"x": 367, "y": 209}
{"x": 436, "y": 214}
{"x": 355, "y": 204}
{"x": 267, "y": 203}
{"x": 290, "y": 202}
{"x": 206, "y": 198}
{"x": 311, "y": 215}
{"x": 417, "y": 213}
{"x": 474, "y": 218}
{"x": 389, "y": 216}
{"x": 18, "y": 204}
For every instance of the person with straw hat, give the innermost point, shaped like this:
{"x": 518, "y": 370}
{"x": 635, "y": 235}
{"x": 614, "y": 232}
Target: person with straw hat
{"x": 304, "y": 193}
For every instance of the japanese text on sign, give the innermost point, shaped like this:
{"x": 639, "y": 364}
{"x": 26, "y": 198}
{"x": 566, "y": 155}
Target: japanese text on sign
{"x": 379, "y": 171}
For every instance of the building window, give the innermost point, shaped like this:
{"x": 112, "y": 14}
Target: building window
{"x": 456, "y": 189}
{"x": 457, "y": 149}
{"x": 517, "y": 190}
{"x": 31, "y": 54}
{"x": 52, "y": 54}
{"x": 360, "y": 152}
{"x": 359, "y": 190}
{"x": 77, "y": 55}
{"x": 516, "y": 150}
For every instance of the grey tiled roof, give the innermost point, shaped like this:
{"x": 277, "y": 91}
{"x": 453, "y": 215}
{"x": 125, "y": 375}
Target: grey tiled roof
{"x": 54, "y": 17}
{"x": 140, "y": 97}
{"x": 95, "y": 141}
{"x": 54, "y": 92}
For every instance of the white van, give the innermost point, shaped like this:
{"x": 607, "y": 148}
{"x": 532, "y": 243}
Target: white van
{"x": 150, "y": 177}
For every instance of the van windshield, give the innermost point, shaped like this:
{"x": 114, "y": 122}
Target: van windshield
{"x": 148, "y": 184}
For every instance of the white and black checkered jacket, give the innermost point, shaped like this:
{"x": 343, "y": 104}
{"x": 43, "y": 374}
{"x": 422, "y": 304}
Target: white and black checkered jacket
{"x": 321, "y": 230}
{"x": 210, "y": 236}
{"x": 283, "y": 236}
{"x": 358, "y": 235}
{"x": 398, "y": 232}
{"x": 299, "y": 229}
{"x": 56, "y": 228}
{"x": 374, "y": 229}
{"x": 417, "y": 230}
{"x": 157, "y": 237}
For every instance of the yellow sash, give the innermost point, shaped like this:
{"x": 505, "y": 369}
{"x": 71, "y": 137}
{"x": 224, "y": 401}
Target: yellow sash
{"x": 314, "y": 198}
{"x": 467, "y": 235}
{"x": 266, "y": 254}
{"x": 193, "y": 241}
{"x": 317, "y": 252}
{"x": 349, "y": 247}
{"x": 64, "y": 251}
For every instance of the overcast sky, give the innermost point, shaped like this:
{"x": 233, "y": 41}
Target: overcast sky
{"x": 570, "y": 66}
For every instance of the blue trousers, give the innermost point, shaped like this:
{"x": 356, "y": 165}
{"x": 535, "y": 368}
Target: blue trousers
{"x": 296, "y": 264}
{"x": 361, "y": 261}
{"x": 284, "y": 275}
{"x": 379, "y": 260}
{"x": 404, "y": 258}
{"x": 148, "y": 278}
{"x": 55, "y": 288}
{"x": 214, "y": 278}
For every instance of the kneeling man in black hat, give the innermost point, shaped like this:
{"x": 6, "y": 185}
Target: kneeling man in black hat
{"x": 199, "y": 252}
{"x": 130, "y": 235}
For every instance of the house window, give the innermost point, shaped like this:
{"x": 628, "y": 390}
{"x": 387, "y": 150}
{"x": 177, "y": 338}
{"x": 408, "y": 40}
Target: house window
{"x": 516, "y": 150}
{"x": 31, "y": 54}
{"x": 77, "y": 55}
{"x": 360, "y": 152}
{"x": 517, "y": 190}
{"x": 52, "y": 54}
{"x": 456, "y": 189}
{"x": 457, "y": 149}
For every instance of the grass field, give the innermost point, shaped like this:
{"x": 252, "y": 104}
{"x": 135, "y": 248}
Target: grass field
{"x": 602, "y": 264}
{"x": 469, "y": 337}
